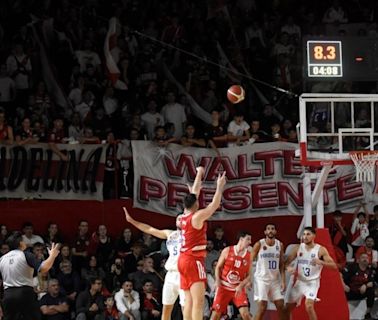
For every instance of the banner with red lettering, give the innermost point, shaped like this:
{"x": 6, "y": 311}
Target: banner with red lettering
{"x": 262, "y": 180}
{"x": 36, "y": 172}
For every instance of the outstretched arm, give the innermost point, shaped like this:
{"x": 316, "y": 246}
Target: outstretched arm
{"x": 202, "y": 215}
{"x": 161, "y": 234}
{"x": 197, "y": 185}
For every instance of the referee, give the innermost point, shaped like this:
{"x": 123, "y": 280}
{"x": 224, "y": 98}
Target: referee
{"x": 18, "y": 267}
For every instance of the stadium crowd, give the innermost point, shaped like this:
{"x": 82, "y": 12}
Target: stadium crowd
{"x": 94, "y": 275}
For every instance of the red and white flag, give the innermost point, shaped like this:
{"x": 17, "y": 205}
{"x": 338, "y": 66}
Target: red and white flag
{"x": 111, "y": 65}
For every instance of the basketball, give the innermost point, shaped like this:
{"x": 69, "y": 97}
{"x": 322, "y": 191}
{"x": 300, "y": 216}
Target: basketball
{"x": 235, "y": 94}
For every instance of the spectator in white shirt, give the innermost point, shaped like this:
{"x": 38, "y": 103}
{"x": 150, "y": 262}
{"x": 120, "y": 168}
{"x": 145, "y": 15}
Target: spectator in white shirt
{"x": 85, "y": 107}
{"x": 87, "y": 57}
{"x": 110, "y": 101}
{"x": 335, "y": 14}
{"x": 19, "y": 67}
{"x": 238, "y": 130}
{"x": 28, "y": 237}
{"x": 359, "y": 230}
{"x": 175, "y": 113}
{"x": 128, "y": 302}
{"x": 151, "y": 119}
{"x": 76, "y": 94}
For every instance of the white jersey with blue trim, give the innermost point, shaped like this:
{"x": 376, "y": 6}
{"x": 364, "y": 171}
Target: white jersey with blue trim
{"x": 173, "y": 243}
{"x": 268, "y": 261}
{"x": 307, "y": 269}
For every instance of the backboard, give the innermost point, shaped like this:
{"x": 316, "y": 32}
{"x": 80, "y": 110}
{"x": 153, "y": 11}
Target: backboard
{"x": 332, "y": 125}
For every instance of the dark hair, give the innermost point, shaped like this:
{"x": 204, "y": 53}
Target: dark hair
{"x": 361, "y": 214}
{"x": 375, "y": 208}
{"x": 270, "y": 224}
{"x": 27, "y": 224}
{"x": 190, "y": 200}
{"x": 311, "y": 229}
{"x": 93, "y": 280}
{"x": 337, "y": 213}
{"x": 14, "y": 240}
{"x": 243, "y": 234}
{"x": 146, "y": 280}
{"x": 369, "y": 237}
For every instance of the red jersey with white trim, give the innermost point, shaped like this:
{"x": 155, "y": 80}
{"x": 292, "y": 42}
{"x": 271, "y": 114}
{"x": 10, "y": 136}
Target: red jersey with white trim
{"x": 236, "y": 267}
{"x": 193, "y": 240}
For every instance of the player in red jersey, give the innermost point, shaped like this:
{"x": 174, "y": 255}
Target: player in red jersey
{"x": 232, "y": 274}
{"x": 191, "y": 263}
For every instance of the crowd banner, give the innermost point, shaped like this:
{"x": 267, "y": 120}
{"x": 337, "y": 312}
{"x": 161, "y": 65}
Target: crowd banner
{"x": 35, "y": 171}
{"x": 262, "y": 180}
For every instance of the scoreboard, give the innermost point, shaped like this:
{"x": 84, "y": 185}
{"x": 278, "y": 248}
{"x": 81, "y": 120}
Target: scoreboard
{"x": 346, "y": 58}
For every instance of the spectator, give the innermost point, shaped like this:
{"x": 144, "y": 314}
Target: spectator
{"x": 25, "y": 134}
{"x": 373, "y": 218}
{"x": 191, "y": 139}
{"x": 270, "y": 116}
{"x": 81, "y": 245}
{"x": 146, "y": 273}
{"x": 52, "y": 234}
{"x": 75, "y": 129}
{"x": 19, "y": 68}
{"x": 151, "y": 244}
{"x": 359, "y": 230}
{"x": 215, "y": 134}
{"x": 123, "y": 245}
{"x": 238, "y": 131}
{"x": 7, "y": 90}
{"x": 338, "y": 232}
{"x": 111, "y": 312}
{"x": 29, "y": 237}
{"x": 100, "y": 123}
{"x": 57, "y": 135}
{"x": 103, "y": 246}
{"x": 6, "y": 132}
{"x": 368, "y": 249}
{"x": 69, "y": 281}
{"x": 132, "y": 259}
{"x": 116, "y": 276}
{"x": 85, "y": 106}
{"x": 219, "y": 241}
{"x": 151, "y": 307}
{"x": 3, "y": 233}
{"x": 76, "y": 94}
{"x": 151, "y": 119}
{"x": 54, "y": 305}
{"x": 161, "y": 137}
{"x": 174, "y": 113}
{"x": 110, "y": 102}
{"x": 87, "y": 57}
{"x": 4, "y": 249}
{"x": 359, "y": 282}
{"x": 92, "y": 271}
{"x": 128, "y": 302}
{"x": 255, "y": 133}
{"x": 211, "y": 256}
{"x": 90, "y": 302}
{"x": 335, "y": 14}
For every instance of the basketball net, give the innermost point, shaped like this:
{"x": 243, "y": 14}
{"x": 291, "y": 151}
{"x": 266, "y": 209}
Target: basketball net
{"x": 365, "y": 162}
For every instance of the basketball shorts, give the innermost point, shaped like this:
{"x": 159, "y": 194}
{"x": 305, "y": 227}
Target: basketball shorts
{"x": 223, "y": 297}
{"x": 308, "y": 289}
{"x": 171, "y": 288}
{"x": 266, "y": 290}
{"x": 192, "y": 269}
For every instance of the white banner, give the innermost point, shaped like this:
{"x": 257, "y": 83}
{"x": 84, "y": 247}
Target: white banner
{"x": 34, "y": 171}
{"x": 262, "y": 180}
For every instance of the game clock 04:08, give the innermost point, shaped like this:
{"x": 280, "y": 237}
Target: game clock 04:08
{"x": 324, "y": 58}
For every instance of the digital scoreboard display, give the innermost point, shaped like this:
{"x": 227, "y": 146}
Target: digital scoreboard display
{"x": 324, "y": 59}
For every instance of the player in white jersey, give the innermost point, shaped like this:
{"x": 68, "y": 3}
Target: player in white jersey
{"x": 270, "y": 272}
{"x": 171, "y": 287}
{"x": 311, "y": 257}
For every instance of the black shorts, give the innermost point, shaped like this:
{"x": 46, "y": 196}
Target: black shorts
{"x": 21, "y": 303}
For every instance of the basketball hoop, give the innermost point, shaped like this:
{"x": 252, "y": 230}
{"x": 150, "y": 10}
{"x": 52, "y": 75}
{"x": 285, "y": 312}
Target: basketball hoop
{"x": 365, "y": 162}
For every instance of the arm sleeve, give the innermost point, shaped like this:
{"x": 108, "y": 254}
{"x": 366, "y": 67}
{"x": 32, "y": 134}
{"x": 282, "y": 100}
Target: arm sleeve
{"x": 119, "y": 303}
{"x": 32, "y": 262}
{"x": 136, "y": 304}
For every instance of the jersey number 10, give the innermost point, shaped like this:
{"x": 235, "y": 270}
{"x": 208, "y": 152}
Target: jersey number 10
{"x": 272, "y": 264}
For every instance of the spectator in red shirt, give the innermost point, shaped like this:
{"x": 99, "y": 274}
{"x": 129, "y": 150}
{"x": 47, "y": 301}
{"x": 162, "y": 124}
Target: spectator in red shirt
{"x": 368, "y": 249}
{"x": 111, "y": 312}
{"x": 80, "y": 246}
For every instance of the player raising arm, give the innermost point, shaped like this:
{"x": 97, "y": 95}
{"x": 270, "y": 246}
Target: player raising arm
{"x": 171, "y": 287}
{"x": 191, "y": 264}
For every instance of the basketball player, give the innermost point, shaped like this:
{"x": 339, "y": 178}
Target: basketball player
{"x": 191, "y": 263}
{"x": 311, "y": 257}
{"x": 270, "y": 272}
{"x": 171, "y": 287}
{"x": 231, "y": 277}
